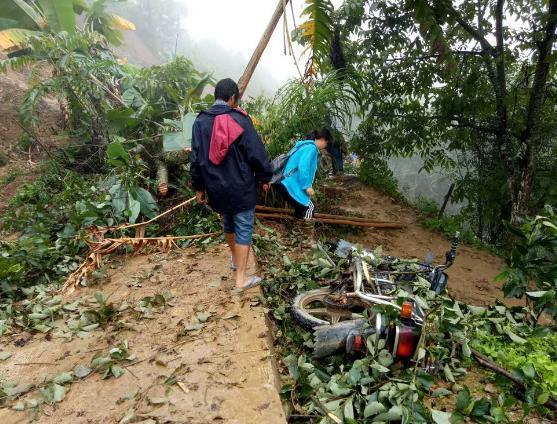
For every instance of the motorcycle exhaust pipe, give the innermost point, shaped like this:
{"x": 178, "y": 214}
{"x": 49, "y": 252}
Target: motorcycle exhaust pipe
{"x": 346, "y": 336}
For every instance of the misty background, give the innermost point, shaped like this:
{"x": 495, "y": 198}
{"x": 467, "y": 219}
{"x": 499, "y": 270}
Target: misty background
{"x": 219, "y": 37}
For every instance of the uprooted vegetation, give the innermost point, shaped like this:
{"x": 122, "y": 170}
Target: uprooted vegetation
{"x": 434, "y": 387}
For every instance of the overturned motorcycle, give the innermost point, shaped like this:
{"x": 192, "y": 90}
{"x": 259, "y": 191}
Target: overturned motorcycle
{"x": 367, "y": 302}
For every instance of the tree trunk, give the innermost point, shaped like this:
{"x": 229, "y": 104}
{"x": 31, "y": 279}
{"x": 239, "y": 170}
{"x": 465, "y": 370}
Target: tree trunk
{"x": 530, "y": 138}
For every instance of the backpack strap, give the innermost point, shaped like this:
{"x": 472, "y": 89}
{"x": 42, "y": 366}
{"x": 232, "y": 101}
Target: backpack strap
{"x": 290, "y": 154}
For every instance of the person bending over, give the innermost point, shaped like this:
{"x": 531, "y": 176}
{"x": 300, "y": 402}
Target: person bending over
{"x": 299, "y": 174}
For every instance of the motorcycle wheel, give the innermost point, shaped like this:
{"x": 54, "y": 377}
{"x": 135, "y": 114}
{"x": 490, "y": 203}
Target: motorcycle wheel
{"x": 309, "y": 309}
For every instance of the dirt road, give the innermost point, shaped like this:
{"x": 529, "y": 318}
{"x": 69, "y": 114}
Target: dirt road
{"x": 214, "y": 343}
{"x": 471, "y": 279}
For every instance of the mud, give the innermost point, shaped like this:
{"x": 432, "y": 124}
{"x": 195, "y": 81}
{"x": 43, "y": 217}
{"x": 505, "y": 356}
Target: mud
{"x": 471, "y": 278}
{"x": 224, "y": 369}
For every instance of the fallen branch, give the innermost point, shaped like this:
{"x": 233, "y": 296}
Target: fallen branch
{"x": 325, "y": 215}
{"x": 107, "y": 246}
{"x": 123, "y": 227}
{"x": 335, "y": 221}
{"x": 488, "y": 363}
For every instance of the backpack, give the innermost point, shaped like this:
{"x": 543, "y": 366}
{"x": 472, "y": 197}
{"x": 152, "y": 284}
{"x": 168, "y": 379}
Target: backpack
{"x": 279, "y": 165}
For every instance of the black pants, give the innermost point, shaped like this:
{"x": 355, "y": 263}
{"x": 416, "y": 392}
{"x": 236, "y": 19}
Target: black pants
{"x": 336, "y": 155}
{"x": 300, "y": 211}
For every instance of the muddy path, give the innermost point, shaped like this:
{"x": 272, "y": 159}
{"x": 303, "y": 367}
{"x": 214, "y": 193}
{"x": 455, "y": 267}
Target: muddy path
{"x": 471, "y": 279}
{"x": 205, "y": 357}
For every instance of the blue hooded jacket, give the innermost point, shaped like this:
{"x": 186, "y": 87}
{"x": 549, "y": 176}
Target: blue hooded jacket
{"x": 305, "y": 159}
{"x": 231, "y": 186}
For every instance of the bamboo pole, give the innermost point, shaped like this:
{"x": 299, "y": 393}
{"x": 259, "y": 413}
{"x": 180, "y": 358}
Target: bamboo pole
{"x": 254, "y": 61}
{"x": 334, "y": 221}
{"x": 325, "y": 215}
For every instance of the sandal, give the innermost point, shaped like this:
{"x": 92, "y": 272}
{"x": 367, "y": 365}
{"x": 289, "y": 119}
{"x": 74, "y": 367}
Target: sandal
{"x": 252, "y": 282}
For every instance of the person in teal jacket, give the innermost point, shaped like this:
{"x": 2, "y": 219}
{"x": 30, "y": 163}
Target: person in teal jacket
{"x": 297, "y": 186}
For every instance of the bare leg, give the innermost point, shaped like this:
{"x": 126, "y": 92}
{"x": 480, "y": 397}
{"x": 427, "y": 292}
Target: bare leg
{"x": 241, "y": 258}
{"x": 231, "y": 240}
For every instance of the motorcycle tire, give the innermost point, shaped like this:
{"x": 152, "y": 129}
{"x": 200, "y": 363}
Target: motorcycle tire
{"x": 304, "y": 319}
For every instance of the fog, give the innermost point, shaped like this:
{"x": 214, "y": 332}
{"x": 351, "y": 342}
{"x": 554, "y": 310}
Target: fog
{"x": 219, "y": 36}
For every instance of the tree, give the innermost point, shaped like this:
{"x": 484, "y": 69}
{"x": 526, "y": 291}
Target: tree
{"x": 462, "y": 80}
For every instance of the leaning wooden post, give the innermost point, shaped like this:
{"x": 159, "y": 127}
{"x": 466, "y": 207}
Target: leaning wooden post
{"x": 254, "y": 61}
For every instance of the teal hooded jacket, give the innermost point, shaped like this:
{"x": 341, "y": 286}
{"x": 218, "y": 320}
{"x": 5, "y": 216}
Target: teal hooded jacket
{"x": 305, "y": 159}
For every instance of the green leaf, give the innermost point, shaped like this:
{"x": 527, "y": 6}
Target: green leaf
{"x": 18, "y": 390}
{"x": 148, "y": 204}
{"x": 59, "y": 15}
{"x": 5, "y": 355}
{"x": 100, "y": 298}
{"x": 133, "y": 98}
{"x": 25, "y": 14}
{"x": 529, "y": 371}
{"x": 63, "y": 378}
{"x": 481, "y": 407}
{"x": 117, "y": 371}
{"x": 543, "y": 398}
{"x": 440, "y": 417}
{"x": 385, "y": 358}
{"x": 463, "y": 399}
{"x": 514, "y": 337}
{"x": 117, "y": 155}
{"x": 82, "y": 371}
{"x": 349, "y": 409}
{"x": 394, "y": 414}
{"x": 202, "y": 316}
{"x": 134, "y": 208}
{"x": 537, "y": 294}
{"x": 448, "y": 373}
{"x": 59, "y": 392}
{"x": 374, "y": 408}
{"x": 441, "y": 392}
{"x": 179, "y": 140}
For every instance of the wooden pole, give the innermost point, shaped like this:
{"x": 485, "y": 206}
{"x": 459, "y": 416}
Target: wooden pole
{"x": 254, "y": 61}
{"x": 335, "y": 221}
{"x": 324, "y": 215}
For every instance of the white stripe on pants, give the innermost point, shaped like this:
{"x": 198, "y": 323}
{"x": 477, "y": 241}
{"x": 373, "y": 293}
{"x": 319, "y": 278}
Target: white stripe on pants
{"x": 309, "y": 212}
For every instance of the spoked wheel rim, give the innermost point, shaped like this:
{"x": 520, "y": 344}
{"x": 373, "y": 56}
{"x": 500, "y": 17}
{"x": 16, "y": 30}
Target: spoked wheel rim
{"x": 312, "y": 306}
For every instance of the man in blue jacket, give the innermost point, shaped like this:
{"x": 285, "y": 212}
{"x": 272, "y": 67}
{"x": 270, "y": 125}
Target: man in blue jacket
{"x": 227, "y": 162}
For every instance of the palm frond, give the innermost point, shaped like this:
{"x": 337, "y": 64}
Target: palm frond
{"x": 316, "y": 33}
{"x": 15, "y": 63}
{"x": 14, "y": 38}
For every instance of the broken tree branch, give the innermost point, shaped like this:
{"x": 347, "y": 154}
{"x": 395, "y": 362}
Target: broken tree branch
{"x": 290, "y": 212}
{"x": 488, "y": 363}
{"x": 335, "y": 221}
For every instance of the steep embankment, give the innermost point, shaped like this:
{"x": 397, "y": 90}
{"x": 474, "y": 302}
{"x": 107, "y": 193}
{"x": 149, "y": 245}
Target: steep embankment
{"x": 21, "y": 157}
{"x": 471, "y": 279}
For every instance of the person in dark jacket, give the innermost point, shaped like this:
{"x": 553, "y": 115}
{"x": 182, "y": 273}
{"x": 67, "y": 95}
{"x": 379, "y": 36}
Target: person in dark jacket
{"x": 227, "y": 162}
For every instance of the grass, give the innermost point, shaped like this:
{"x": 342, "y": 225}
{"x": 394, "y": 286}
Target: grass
{"x": 450, "y": 224}
{"x": 10, "y": 177}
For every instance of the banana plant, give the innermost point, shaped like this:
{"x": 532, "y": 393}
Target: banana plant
{"x": 316, "y": 33}
{"x": 110, "y": 25}
{"x": 20, "y": 19}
